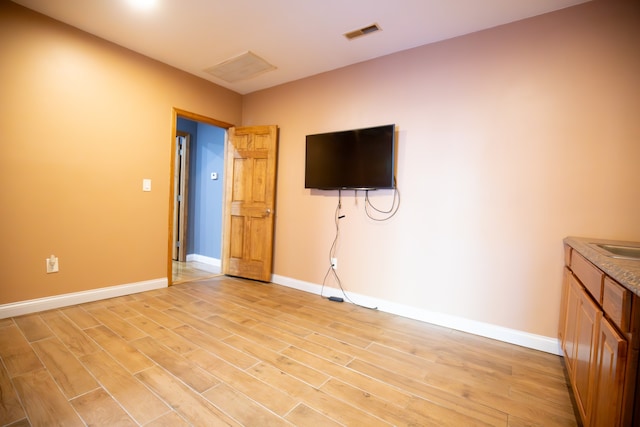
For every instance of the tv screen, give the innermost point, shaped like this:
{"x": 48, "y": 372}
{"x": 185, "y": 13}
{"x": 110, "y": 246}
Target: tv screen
{"x": 352, "y": 159}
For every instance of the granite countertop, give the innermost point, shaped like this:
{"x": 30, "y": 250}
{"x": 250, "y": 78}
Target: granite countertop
{"x": 624, "y": 271}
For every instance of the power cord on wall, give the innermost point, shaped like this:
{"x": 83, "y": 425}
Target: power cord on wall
{"x": 395, "y": 205}
{"x": 332, "y": 251}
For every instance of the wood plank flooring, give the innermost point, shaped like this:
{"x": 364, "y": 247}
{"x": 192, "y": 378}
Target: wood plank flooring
{"x": 192, "y": 270}
{"x": 226, "y": 351}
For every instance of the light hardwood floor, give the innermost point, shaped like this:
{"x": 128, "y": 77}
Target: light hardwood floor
{"x": 225, "y": 351}
{"x": 190, "y": 271}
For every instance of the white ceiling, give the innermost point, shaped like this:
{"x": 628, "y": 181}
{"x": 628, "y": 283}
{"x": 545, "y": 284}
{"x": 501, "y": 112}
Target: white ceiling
{"x": 300, "y": 37}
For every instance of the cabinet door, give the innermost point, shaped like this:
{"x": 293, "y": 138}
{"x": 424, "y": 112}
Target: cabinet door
{"x": 569, "y": 346}
{"x": 563, "y": 306}
{"x": 609, "y": 376}
{"x": 587, "y": 332}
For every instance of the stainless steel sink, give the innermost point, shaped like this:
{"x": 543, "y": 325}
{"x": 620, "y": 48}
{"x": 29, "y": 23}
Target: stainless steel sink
{"x": 620, "y": 251}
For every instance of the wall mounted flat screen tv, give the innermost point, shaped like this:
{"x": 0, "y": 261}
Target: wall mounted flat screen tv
{"x": 352, "y": 159}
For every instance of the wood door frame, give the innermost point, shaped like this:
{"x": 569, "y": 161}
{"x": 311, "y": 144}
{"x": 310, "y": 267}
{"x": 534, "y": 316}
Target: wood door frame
{"x": 176, "y": 112}
{"x": 181, "y": 201}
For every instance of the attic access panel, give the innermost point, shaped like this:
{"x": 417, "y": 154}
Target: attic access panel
{"x": 242, "y": 67}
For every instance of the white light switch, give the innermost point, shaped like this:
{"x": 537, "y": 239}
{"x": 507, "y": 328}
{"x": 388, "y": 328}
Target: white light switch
{"x": 146, "y": 184}
{"x": 214, "y": 175}
{"x": 52, "y": 264}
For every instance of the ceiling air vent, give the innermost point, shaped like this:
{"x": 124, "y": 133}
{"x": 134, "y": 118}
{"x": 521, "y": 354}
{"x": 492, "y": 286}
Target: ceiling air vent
{"x": 362, "y": 31}
{"x": 241, "y": 67}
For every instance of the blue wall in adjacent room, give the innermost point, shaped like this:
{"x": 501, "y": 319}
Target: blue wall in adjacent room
{"x": 204, "y": 231}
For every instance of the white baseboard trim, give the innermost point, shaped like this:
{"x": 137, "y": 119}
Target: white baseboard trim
{"x": 500, "y": 333}
{"x": 64, "y": 300}
{"x": 213, "y": 265}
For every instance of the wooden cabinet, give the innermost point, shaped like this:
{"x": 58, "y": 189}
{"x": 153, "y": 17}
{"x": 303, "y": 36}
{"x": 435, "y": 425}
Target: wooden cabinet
{"x": 589, "y": 275}
{"x": 569, "y": 343}
{"x": 616, "y": 301}
{"x": 609, "y": 376}
{"x": 581, "y": 334}
{"x": 565, "y": 313}
{"x": 596, "y": 332}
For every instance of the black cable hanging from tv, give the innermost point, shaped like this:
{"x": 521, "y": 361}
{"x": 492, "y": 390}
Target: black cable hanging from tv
{"x": 395, "y": 205}
{"x": 332, "y": 250}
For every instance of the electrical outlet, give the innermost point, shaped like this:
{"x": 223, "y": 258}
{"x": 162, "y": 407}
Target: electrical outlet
{"x": 334, "y": 263}
{"x": 52, "y": 264}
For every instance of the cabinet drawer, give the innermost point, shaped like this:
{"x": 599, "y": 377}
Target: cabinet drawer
{"x": 616, "y": 302}
{"x": 567, "y": 255}
{"x": 590, "y": 276}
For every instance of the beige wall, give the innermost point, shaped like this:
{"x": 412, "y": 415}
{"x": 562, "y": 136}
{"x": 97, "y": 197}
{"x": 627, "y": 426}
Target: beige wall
{"x": 83, "y": 122}
{"x": 509, "y": 140}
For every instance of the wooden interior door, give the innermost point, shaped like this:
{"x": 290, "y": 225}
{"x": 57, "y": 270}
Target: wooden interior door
{"x": 250, "y": 182}
{"x": 181, "y": 199}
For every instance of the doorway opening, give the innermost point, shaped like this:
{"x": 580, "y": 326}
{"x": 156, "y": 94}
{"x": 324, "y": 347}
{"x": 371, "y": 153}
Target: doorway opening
{"x": 195, "y": 230}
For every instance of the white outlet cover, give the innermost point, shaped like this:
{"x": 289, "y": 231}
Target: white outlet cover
{"x": 146, "y": 184}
